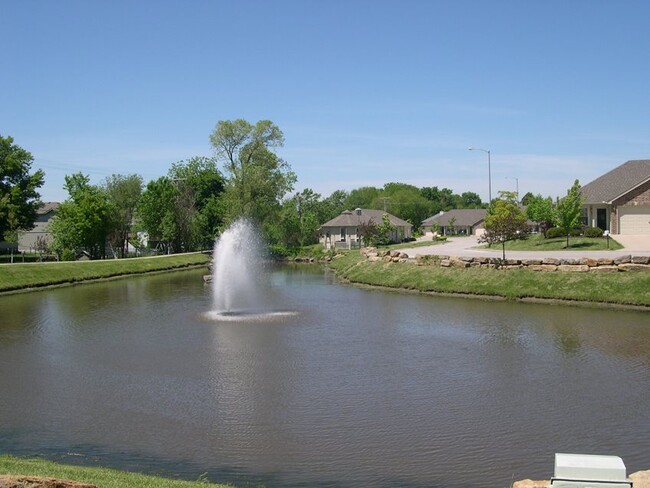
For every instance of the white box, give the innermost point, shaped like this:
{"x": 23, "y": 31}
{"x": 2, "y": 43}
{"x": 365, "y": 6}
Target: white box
{"x": 575, "y": 469}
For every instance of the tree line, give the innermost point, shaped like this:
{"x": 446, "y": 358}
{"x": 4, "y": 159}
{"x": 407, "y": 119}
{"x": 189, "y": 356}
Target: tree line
{"x": 189, "y": 207}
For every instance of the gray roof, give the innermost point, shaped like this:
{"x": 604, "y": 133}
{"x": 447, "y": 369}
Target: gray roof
{"x": 617, "y": 182}
{"x": 47, "y": 207}
{"x": 350, "y": 218}
{"x": 465, "y": 217}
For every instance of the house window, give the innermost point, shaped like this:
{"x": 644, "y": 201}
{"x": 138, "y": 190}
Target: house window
{"x": 342, "y": 234}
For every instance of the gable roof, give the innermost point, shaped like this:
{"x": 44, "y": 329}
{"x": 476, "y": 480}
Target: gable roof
{"x": 465, "y": 217}
{"x": 47, "y": 207}
{"x": 617, "y": 182}
{"x": 351, "y": 219}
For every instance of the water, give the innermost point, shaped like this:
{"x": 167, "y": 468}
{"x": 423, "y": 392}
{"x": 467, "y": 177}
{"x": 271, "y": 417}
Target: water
{"x": 358, "y": 388}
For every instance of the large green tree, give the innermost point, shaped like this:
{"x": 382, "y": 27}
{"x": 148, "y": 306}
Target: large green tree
{"x": 200, "y": 185}
{"x": 84, "y": 221}
{"x": 256, "y": 177}
{"x": 406, "y": 202}
{"x": 157, "y": 213}
{"x": 124, "y": 192}
{"x": 568, "y": 211}
{"x": 504, "y": 221}
{"x": 19, "y": 197}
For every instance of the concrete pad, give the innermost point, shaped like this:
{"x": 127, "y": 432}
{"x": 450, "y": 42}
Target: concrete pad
{"x": 633, "y": 243}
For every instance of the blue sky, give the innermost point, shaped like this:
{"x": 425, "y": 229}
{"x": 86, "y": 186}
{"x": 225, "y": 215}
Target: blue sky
{"x": 366, "y": 92}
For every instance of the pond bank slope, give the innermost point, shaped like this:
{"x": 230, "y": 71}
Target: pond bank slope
{"x": 628, "y": 290}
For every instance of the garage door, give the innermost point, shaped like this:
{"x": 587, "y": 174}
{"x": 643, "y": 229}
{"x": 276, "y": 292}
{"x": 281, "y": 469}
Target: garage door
{"x": 634, "y": 220}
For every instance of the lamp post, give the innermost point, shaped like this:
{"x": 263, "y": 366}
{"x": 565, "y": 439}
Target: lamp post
{"x": 516, "y": 182}
{"x": 489, "y": 171}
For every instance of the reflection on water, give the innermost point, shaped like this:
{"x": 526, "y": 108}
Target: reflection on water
{"x": 352, "y": 388}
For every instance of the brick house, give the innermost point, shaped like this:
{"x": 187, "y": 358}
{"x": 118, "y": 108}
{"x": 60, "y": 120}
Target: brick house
{"x": 619, "y": 201}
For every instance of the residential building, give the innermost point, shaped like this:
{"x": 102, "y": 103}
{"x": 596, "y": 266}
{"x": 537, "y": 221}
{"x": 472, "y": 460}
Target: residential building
{"x": 44, "y": 214}
{"x": 458, "y": 221}
{"x": 343, "y": 231}
{"x": 619, "y": 201}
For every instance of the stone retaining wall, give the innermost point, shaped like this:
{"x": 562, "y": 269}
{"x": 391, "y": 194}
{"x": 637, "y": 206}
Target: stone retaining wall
{"x": 575, "y": 265}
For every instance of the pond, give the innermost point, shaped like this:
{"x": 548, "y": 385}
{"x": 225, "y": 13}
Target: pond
{"x": 358, "y": 388}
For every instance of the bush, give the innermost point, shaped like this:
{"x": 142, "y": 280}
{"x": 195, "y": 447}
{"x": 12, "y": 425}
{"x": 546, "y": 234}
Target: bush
{"x": 593, "y": 232}
{"x": 554, "y": 233}
{"x": 68, "y": 255}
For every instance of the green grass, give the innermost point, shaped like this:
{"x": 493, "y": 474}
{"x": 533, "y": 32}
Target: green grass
{"x": 629, "y": 288}
{"x": 29, "y": 275}
{"x": 102, "y": 477}
{"x": 537, "y": 242}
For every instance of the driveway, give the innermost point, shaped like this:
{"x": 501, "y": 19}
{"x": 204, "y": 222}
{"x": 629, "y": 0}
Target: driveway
{"x": 464, "y": 246}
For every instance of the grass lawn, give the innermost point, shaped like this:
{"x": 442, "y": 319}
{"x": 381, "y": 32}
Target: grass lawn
{"x": 102, "y": 477}
{"x": 629, "y": 288}
{"x": 537, "y": 242}
{"x": 19, "y": 276}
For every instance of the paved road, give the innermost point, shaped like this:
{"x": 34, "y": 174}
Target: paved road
{"x": 463, "y": 246}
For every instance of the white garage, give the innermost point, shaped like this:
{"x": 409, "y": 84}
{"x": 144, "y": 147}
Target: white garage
{"x": 634, "y": 220}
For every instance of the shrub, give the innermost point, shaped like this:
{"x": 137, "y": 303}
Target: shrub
{"x": 554, "y": 233}
{"x": 593, "y": 232}
{"x": 68, "y": 255}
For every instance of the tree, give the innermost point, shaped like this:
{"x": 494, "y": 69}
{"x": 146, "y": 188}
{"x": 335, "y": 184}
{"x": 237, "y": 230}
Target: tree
{"x": 442, "y": 199}
{"x": 540, "y": 210}
{"x": 384, "y": 230}
{"x": 526, "y": 199}
{"x": 157, "y": 213}
{"x": 124, "y": 192}
{"x": 256, "y": 177}
{"x": 568, "y": 211}
{"x": 84, "y": 220}
{"x": 364, "y": 197}
{"x": 300, "y": 218}
{"x": 19, "y": 198}
{"x": 200, "y": 185}
{"x": 406, "y": 202}
{"x": 469, "y": 199}
{"x": 333, "y": 205}
{"x": 504, "y": 221}
{"x": 368, "y": 233}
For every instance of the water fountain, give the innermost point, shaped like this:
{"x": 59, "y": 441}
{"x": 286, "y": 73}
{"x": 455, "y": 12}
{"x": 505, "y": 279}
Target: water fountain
{"x": 239, "y": 280}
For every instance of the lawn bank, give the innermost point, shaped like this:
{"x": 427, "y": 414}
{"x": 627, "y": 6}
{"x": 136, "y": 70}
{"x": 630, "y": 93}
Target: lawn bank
{"x": 22, "y": 277}
{"x": 629, "y": 290}
{"x": 101, "y": 477}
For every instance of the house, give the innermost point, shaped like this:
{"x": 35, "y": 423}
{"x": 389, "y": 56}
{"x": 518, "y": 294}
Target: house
{"x": 619, "y": 201}
{"x": 342, "y": 232}
{"x": 464, "y": 221}
{"x": 44, "y": 214}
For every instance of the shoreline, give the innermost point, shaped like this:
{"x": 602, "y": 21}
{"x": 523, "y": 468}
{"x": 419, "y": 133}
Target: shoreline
{"x": 616, "y": 291}
{"x": 30, "y": 277}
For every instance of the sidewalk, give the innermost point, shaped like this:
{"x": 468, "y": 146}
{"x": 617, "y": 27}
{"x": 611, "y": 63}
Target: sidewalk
{"x": 462, "y": 246}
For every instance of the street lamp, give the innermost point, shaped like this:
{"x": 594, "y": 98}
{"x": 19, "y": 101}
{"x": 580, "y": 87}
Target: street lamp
{"x": 517, "y": 183}
{"x": 489, "y": 170}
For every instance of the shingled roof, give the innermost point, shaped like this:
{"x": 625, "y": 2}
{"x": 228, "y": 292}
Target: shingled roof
{"x": 351, "y": 219}
{"x": 47, "y": 207}
{"x": 617, "y": 182}
{"x": 465, "y": 217}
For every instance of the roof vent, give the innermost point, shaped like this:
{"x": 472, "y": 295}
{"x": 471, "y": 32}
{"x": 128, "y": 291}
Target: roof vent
{"x": 586, "y": 470}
